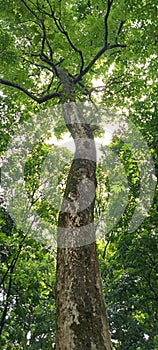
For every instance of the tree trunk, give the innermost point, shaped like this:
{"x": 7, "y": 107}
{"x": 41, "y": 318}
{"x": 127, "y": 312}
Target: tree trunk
{"x": 82, "y": 322}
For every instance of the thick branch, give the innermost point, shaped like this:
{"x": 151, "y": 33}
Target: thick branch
{"x": 45, "y": 40}
{"x": 50, "y": 6}
{"x": 95, "y": 58}
{"x": 106, "y": 21}
{"x": 45, "y": 59}
{"x": 28, "y": 93}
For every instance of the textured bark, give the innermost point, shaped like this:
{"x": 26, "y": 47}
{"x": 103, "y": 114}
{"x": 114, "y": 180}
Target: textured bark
{"x": 82, "y": 322}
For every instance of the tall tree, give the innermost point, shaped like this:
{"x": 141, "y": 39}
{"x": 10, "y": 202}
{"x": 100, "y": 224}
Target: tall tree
{"x": 39, "y": 42}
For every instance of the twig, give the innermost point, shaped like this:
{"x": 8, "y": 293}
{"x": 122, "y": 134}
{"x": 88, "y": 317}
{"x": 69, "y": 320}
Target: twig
{"x": 30, "y": 10}
{"x": 7, "y": 302}
{"x": 48, "y": 87}
{"x": 37, "y": 65}
{"x": 119, "y": 30}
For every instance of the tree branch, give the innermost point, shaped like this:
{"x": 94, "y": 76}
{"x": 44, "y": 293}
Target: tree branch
{"x": 30, "y": 10}
{"x": 95, "y": 58}
{"x": 28, "y": 93}
{"x": 4, "y": 314}
{"x": 45, "y": 40}
{"x": 49, "y": 86}
{"x": 44, "y": 37}
{"x": 45, "y": 59}
{"x": 41, "y": 24}
{"x": 50, "y": 6}
{"x": 63, "y": 31}
{"x": 119, "y": 30}
{"x": 38, "y": 65}
{"x": 11, "y": 270}
{"x": 106, "y": 21}
{"x": 49, "y": 61}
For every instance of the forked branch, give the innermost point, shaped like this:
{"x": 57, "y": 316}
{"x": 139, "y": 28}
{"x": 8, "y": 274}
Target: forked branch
{"x": 95, "y": 58}
{"x": 62, "y": 30}
{"x": 45, "y": 41}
